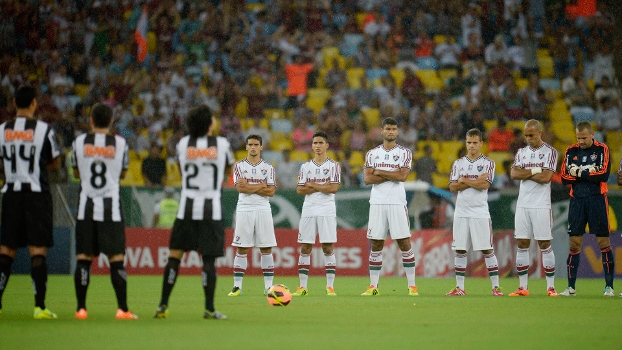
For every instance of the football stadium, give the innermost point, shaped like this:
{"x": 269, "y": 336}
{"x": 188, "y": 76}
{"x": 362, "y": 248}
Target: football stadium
{"x": 347, "y": 174}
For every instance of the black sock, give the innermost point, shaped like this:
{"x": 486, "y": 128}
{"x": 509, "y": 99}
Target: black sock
{"x": 5, "y": 272}
{"x": 574, "y": 258}
{"x": 81, "y": 279}
{"x": 170, "y": 276}
{"x": 118, "y": 277}
{"x": 608, "y": 265}
{"x": 209, "y": 281}
{"x": 39, "y": 274}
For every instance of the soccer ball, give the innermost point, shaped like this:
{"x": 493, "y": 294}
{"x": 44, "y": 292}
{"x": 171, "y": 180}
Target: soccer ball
{"x": 279, "y": 295}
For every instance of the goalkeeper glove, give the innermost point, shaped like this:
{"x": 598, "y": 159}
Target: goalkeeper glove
{"x": 573, "y": 170}
{"x": 592, "y": 169}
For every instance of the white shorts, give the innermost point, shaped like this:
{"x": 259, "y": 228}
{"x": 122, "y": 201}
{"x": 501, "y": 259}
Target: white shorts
{"x": 472, "y": 231}
{"x": 254, "y": 229}
{"x": 323, "y": 226}
{"x": 388, "y": 217}
{"x": 533, "y": 223}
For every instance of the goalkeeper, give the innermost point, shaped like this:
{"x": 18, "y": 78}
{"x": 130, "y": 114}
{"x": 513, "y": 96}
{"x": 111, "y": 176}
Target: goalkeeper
{"x": 586, "y": 169}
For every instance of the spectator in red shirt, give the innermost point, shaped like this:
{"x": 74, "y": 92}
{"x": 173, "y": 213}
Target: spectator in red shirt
{"x": 500, "y": 138}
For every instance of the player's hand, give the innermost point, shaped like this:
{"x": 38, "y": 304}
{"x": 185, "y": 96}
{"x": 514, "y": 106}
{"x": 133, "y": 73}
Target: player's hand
{"x": 484, "y": 176}
{"x": 592, "y": 169}
{"x": 535, "y": 171}
{"x": 574, "y": 170}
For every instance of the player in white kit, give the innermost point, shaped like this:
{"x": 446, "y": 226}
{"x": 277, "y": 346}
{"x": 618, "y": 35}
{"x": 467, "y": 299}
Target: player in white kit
{"x": 386, "y": 168}
{"x": 318, "y": 181}
{"x": 534, "y": 165}
{"x": 471, "y": 177}
{"x": 255, "y": 181}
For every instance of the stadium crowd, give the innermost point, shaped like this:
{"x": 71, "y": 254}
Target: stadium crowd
{"x": 282, "y": 69}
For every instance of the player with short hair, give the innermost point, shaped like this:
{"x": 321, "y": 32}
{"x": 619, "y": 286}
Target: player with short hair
{"x": 28, "y": 150}
{"x": 100, "y": 160}
{"x": 318, "y": 181}
{"x": 471, "y": 177}
{"x": 534, "y": 165}
{"x": 386, "y": 168}
{"x": 586, "y": 168}
{"x": 255, "y": 180}
{"x": 203, "y": 160}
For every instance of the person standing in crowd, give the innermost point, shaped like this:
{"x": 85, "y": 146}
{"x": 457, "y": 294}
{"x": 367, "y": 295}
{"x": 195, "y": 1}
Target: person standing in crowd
{"x": 28, "y": 150}
{"x": 534, "y": 165}
{"x": 204, "y": 160}
{"x": 586, "y": 168}
{"x": 318, "y": 181}
{"x": 100, "y": 161}
{"x": 165, "y": 211}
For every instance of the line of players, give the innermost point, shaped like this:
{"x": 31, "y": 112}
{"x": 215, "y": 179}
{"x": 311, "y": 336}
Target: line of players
{"x": 100, "y": 160}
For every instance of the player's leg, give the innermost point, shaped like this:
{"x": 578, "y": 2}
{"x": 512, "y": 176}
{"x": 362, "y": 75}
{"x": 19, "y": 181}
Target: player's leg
{"x": 306, "y": 237}
{"x": 209, "y": 287}
{"x": 243, "y": 240}
{"x": 180, "y": 240}
{"x": 399, "y": 227}
{"x": 85, "y": 251}
{"x": 460, "y": 244}
{"x": 11, "y": 229}
{"x": 598, "y": 220}
{"x": 606, "y": 254}
{"x": 523, "y": 233}
{"x": 240, "y": 264}
{"x": 327, "y": 231}
{"x": 577, "y": 219}
{"x": 211, "y": 246}
{"x": 265, "y": 239}
{"x": 542, "y": 224}
{"x": 7, "y": 255}
{"x": 481, "y": 236}
{"x": 39, "y": 275}
{"x": 376, "y": 233}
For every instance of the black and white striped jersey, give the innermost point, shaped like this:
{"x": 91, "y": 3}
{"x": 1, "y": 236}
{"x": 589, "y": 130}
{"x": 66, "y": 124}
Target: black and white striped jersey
{"x": 202, "y": 162}
{"x": 27, "y": 146}
{"x": 100, "y": 158}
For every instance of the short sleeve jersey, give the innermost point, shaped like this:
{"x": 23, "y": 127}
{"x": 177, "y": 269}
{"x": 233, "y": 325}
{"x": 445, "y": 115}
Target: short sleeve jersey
{"x": 472, "y": 203}
{"x": 262, "y": 172}
{"x": 532, "y": 194}
{"x": 100, "y": 158}
{"x": 388, "y": 192}
{"x": 318, "y": 203}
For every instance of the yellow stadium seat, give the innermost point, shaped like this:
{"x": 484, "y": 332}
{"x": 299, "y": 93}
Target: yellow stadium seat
{"x": 449, "y": 149}
{"x": 499, "y": 158}
{"x": 300, "y": 156}
{"x": 328, "y": 61}
{"x": 565, "y": 132}
{"x": 241, "y": 110}
{"x": 398, "y": 76}
{"x": 430, "y": 80}
{"x": 522, "y": 83}
{"x": 372, "y": 117}
{"x": 273, "y": 113}
{"x": 173, "y": 176}
{"x": 543, "y": 53}
{"x": 322, "y": 82}
{"x": 354, "y": 77}
{"x": 344, "y": 139}
{"x": 436, "y": 147}
{"x": 330, "y": 51}
{"x": 446, "y": 74}
{"x": 134, "y": 176}
{"x": 246, "y": 123}
{"x": 439, "y": 39}
{"x": 614, "y": 141}
{"x": 440, "y": 181}
{"x": 546, "y": 67}
{"x": 357, "y": 161}
{"x": 443, "y": 164}
{"x": 490, "y": 124}
{"x": 591, "y": 84}
{"x": 360, "y": 17}
{"x": 515, "y": 124}
{"x": 152, "y": 42}
{"x": 615, "y": 157}
{"x": 81, "y": 90}
{"x": 281, "y": 144}
{"x": 319, "y": 93}
{"x": 240, "y": 154}
{"x": 316, "y": 104}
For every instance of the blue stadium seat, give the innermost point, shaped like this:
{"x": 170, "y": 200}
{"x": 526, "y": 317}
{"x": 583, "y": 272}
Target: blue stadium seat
{"x": 282, "y": 125}
{"x": 272, "y": 157}
{"x": 427, "y": 63}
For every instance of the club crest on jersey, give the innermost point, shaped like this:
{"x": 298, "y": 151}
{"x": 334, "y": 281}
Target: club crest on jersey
{"x": 208, "y": 153}
{"x": 325, "y": 171}
{"x": 541, "y": 155}
{"x": 396, "y": 157}
{"x": 480, "y": 167}
{"x": 19, "y": 135}
{"x": 264, "y": 171}
{"x": 96, "y": 151}
{"x": 593, "y": 157}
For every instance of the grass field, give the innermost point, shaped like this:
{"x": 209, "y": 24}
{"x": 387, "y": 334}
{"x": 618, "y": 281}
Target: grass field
{"x": 347, "y": 321}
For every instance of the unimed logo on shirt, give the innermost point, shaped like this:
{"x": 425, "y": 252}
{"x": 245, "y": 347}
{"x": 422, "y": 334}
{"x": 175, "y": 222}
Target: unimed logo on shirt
{"x": 18, "y": 135}
{"x": 96, "y": 151}
{"x": 208, "y": 153}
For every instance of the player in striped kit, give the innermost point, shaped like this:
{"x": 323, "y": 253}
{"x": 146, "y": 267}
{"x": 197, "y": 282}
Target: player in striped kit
{"x": 255, "y": 181}
{"x": 318, "y": 181}
{"x": 471, "y": 177}
{"x": 534, "y": 165}
{"x": 100, "y": 160}
{"x": 386, "y": 168}
{"x": 203, "y": 160}
{"x": 28, "y": 149}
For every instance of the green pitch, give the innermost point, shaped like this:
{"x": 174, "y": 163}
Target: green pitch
{"x": 347, "y": 321}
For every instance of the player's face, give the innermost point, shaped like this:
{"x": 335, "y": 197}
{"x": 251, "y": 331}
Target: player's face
{"x": 319, "y": 145}
{"x": 585, "y": 138}
{"x": 533, "y": 137}
{"x": 473, "y": 145}
{"x": 253, "y": 147}
{"x": 390, "y": 132}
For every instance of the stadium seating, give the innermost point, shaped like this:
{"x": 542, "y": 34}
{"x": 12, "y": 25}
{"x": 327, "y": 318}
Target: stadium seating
{"x": 272, "y": 157}
{"x": 614, "y": 141}
{"x": 173, "y": 176}
{"x": 299, "y": 156}
{"x": 353, "y": 76}
{"x": 357, "y": 161}
{"x": 430, "y": 80}
{"x": 499, "y": 158}
{"x": 316, "y": 104}
{"x": 427, "y": 63}
{"x": 281, "y": 125}
{"x": 546, "y": 67}
{"x": 371, "y": 117}
{"x": 446, "y": 74}
{"x": 398, "y": 76}
{"x": 241, "y": 154}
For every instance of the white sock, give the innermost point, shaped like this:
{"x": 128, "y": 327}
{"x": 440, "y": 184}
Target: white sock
{"x": 375, "y": 265}
{"x": 408, "y": 261}
{"x": 522, "y": 266}
{"x": 304, "y": 262}
{"x": 240, "y": 263}
{"x": 267, "y": 265}
{"x": 493, "y": 268}
{"x": 548, "y": 262}
{"x": 330, "y": 264}
{"x": 460, "y": 264}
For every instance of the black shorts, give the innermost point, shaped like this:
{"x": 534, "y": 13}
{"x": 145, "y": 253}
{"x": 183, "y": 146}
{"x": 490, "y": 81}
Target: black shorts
{"x": 207, "y": 236}
{"x": 593, "y": 211}
{"x": 95, "y": 237}
{"x": 27, "y": 219}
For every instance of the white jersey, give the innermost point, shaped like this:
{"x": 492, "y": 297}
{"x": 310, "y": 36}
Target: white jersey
{"x": 472, "y": 203}
{"x": 532, "y": 194}
{"x": 27, "y": 146}
{"x": 388, "y": 192}
{"x": 254, "y": 174}
{"x": 202, "y": 162}
{"x": 318, "y": 203}
{"x": 100, "y": 158}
